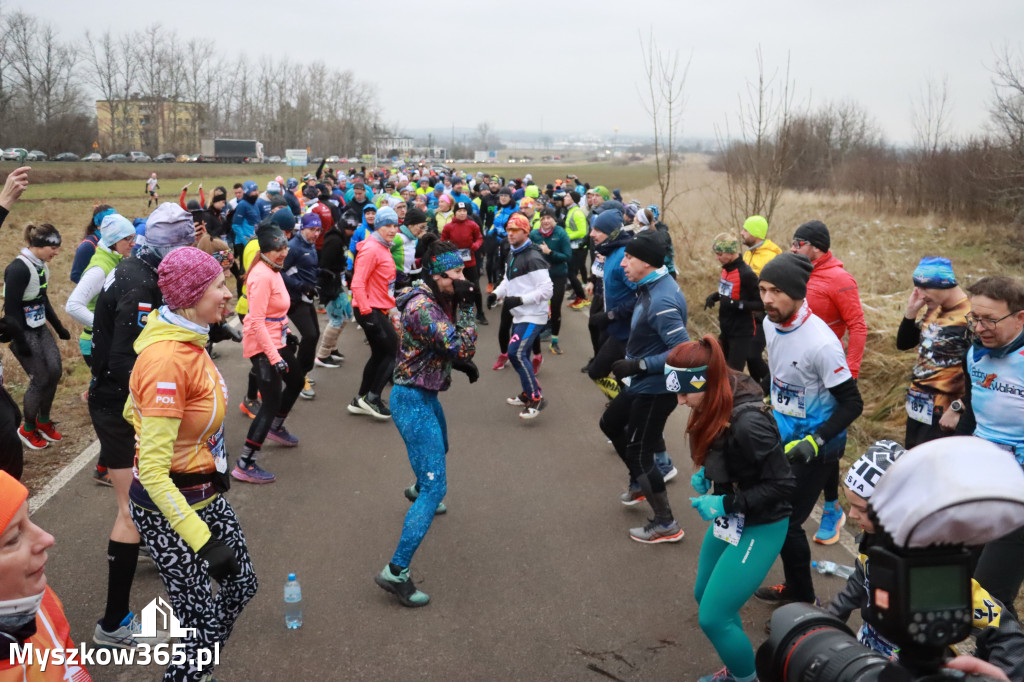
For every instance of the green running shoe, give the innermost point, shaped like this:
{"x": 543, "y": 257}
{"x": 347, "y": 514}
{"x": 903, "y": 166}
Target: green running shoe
{"x": 402, "y": 587}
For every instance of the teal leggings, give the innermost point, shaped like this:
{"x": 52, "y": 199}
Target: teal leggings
{"x": 727, "y": 576}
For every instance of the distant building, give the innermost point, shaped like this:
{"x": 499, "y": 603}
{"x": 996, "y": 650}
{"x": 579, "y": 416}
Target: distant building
{"x": 148, "y": 124}
{"x": 392, "y": 145}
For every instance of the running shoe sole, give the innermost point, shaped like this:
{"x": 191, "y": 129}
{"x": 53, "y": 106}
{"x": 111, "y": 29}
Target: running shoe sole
{"x": 327, "y": 364}
{"x": 30, "y": 444}
{"x": 102, "y": 480}
{"x": 46, "y": 437}
{"x": 388, "y": 586}
{"x": 670, "y": 474}
{"x": 356, "y": 409}
{"x": 245, "y": 478}
{"x": 533, "y": 412}
{"x": 245, "y": 410}
{"x": 834, "y": 538}
{"x": 634, "y": 501}
{"x": 515, "y": 402}
{"x": 283, "y": 441}
{"x": 368, "y": 409}
{"x": 675, "y": 537}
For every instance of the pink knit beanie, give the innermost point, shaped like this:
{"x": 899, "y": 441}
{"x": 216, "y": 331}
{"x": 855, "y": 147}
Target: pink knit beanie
{"x": 185, "y": 274}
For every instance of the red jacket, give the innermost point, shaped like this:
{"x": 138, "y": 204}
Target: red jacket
{"x": 464, "y": 234}
{"x": 833, "y": 296}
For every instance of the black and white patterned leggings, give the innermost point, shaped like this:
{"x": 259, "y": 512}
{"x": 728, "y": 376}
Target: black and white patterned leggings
{"x": 188, "y": 583}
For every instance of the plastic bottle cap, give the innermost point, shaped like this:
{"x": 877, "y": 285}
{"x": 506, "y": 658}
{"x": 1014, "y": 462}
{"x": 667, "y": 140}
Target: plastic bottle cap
{"x": 291, "y": 576}
{"x": 813, "y": 563}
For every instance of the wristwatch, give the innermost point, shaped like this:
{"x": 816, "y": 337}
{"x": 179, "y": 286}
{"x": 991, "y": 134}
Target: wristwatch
{"x": 818, "y": 440}
{"x": 957, "y": 406}
{"x": 642, "y": 364}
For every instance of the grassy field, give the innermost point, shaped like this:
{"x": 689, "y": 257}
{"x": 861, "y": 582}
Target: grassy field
{"x": 880, "y": 249}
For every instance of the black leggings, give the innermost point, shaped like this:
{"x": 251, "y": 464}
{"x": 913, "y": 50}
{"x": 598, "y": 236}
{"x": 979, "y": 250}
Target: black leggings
{"x": 578, "y": 270}
{"x": 303, "y": 316}
{"x": 44, "y": 369}
{"x": 743, "y": 351}
{"x": 505, "y": 333}
{"x": 383, "y": 341}
{"x": 611, "y": 350}
{"x": 276, "y": 402}
{"x": 11, "y": 453}
{"x": 796, "y": 552}
{"x": 472, "y": 274}
{"x": 597, "y": 306}
{"x": 558, "y": 293}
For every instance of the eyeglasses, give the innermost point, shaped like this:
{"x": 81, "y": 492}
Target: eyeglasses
{"x": 985, "y": 322}
{"x": 799, "y": 243}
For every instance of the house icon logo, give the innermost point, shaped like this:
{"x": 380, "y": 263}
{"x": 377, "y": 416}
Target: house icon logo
{"x": 158, "y": 615}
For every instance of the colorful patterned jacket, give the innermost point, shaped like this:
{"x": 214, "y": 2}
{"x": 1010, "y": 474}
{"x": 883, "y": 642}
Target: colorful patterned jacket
{"x": 430, "y": 340}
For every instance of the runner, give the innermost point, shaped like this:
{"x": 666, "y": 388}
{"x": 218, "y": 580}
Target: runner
{"x": 738, "y": 300}
{"x": 833, "y": 296}
{"x": 526, "y": 292}
{"x": 438, "y": 335}
{"x": 554, "y": 244}
{"x": 735, "y": 442}
{"x": 122, "y": 310}
{"x": 635, "y": 419}
{"x": 271, "y": 350}
{"x": 760, "y": 249}
{"x": 87, "y": 247}
{"x": 406, "y": 246}
{"x": 576, "y": 228}
{"x": 335, "y": 296}
{"x": 998, "y": 635}
{"x": 373, "y": 298}
{"x": 27, "y": 309}
{"x": 300, "y": 272}
{"x": 815, "y": 399}
{"x": 465, "y": 234}
{"x": 151, "y": 187}
{"x": 177, "y": 406}
{"x": 117, "y": 237}
{"x": 618, "y": 298}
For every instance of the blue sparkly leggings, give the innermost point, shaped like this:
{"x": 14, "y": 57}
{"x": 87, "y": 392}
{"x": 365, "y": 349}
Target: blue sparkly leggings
{"x": 420, "y": 420}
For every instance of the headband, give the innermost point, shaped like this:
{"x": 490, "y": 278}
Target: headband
{"x": 685, "y": 379}
{"x": 97, "y": 219}
{"x": 726, "y": 245}
{"x": 443, "y": 262}
{"x": 49, "y": 239}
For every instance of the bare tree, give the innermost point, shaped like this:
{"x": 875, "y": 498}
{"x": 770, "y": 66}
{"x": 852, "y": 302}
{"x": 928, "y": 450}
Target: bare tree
{"x": 664, "y": 101}
{"x": 929, "y": 116}
{"x": 758, "y": 162}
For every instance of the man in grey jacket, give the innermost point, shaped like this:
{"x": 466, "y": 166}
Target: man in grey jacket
{"x": 635, "y": 419}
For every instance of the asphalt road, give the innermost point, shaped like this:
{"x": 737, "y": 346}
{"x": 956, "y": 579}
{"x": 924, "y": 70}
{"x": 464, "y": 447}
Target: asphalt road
{"x": 532, "y": 574}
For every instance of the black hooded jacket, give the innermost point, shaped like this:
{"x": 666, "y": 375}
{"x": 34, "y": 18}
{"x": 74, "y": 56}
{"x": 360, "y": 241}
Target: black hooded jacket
{"x": 747, "y": 463}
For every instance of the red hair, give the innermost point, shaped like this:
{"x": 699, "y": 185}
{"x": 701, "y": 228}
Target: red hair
{"x": 712, "y": 416}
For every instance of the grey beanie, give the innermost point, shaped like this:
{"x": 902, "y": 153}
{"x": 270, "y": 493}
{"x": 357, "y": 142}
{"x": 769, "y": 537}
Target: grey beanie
{"x": 170, "y": 225}
{"x": 789, "y": 272}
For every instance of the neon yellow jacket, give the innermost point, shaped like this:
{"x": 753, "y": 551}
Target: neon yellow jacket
{"x": 758, "y": 256}
{"x": 576, "y": 224}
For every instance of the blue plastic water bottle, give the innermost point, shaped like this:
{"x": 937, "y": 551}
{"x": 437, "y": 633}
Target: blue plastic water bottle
{"x": 292, "y": 603}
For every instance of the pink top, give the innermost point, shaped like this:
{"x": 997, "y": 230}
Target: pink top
{"x": 266, "y": 325}
{"x": 373, "y": 283}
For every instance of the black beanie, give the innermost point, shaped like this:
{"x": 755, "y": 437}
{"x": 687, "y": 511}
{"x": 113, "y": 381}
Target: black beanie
{"x": 649, "y": 248}
{"x": 271, "y": 237}
{"x": 415, "y": 216}
{"x": 814, "y": 233}
{"x": 789, "y": 272}
{"x": 575, "y": 196}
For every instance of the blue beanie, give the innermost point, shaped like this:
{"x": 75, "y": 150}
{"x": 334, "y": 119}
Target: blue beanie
{"x": 115, "y": 228}
{"x": 608, "y": 221}
{"x": 248, "y": 187}
{"x": 386, "y": 216}
{"x": 934, "y": 272}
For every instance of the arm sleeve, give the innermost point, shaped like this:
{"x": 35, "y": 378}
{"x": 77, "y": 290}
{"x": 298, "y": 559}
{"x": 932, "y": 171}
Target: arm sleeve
{"x": 181, "y": 199}
{"x": 967, "y": 423}
{"x": 849, "y": 407}
{"x": 83, "y": 254}
{"x": 359, "y": 276}
{"x": 288, "y": 271}
{"x": 51, "y": 314}
{"x": 853, "y": 595}
{"x": 478, "y": 238}
{"x": 750, "y": 296}
{"x": 541, "y": 287}
{"x": 759, "y": 441}
{"x": 16, "y": 278}
{"x": 156, "y": 448}
{"x": 848, "y": 301}
{"x": 88, "y": 288}
{"x": 320, "y": 169}
{"x": 202, "y": 197}
{"x": 258, "y": 292}
{"x": 562, "y": 253}
{"x": 909, "y": 334}
{"x": 671, "y": 326}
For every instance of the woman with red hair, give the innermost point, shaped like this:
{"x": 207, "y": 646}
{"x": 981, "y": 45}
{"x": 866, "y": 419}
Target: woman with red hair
{"x": 736, "y": 445}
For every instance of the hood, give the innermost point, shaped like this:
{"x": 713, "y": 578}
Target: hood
{"x": 610, "y": 205}
{"x": 744, "y": 389}
{"x": 827, "y": 262}
{"x": 613, "y": 243}
{"x": 406, "y": 296}
{"x": 158, "y": 329}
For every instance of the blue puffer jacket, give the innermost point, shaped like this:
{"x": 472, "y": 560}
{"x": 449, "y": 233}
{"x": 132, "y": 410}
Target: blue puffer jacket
{"x": 619, "y": 292}
{"x": 300, "y": 267}
{"x": 658, "y": 326}
{"x": 243, "y": 225}
{"x": 501, "y": 216}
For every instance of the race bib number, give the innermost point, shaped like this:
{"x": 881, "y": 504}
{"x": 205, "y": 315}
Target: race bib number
{"x": 219, "y": 452}
{"x": 597, "y": 269}
{"x": 725, "y": 288}
{"x": 789, "y": 399}
{"x": 575, "y": 243}
{"x": 466, "y": 255}
{"x": 391, "y": 288}
{"x": 870, "y": 638}
{"x": 729, "y": 528}
{"x": 920, "y": 406}
{"x": 35, "y": 315}
{"x": 284, "y": 334}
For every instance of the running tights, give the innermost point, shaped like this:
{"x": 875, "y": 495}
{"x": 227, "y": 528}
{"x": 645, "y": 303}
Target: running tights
{"x": 383, "y": 339}
{"x": 727, "y": 576}
{"x": 420, "y": 420}
{"x": 277, "y": 400}
{"x": 44, "y": 369}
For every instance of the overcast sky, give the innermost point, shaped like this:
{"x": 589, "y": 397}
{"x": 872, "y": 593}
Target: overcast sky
{"x": 576, "y": 66}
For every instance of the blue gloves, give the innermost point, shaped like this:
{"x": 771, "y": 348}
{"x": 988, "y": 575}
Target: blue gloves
{"x": 709, "y": 506}
{"x": 699, "y": 483}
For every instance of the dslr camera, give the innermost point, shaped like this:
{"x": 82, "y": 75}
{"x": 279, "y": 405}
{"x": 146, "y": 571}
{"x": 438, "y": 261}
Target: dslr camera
{"x": 934, "y": 502}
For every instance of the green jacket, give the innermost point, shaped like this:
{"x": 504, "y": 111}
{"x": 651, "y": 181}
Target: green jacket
{"x": 561, "y": 251}
{"x": 576, "y": 226}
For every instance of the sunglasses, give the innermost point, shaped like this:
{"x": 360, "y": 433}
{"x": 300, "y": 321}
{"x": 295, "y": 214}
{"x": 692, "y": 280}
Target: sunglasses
{"x": 799, "y": 243}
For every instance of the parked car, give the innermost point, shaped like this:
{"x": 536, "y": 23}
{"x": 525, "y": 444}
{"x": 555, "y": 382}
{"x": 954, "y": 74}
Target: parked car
{"x": 165, "y": 158}
{"x": 92, "y": 157}
{"x": 275, "y": 159}
{"x": 67, "y": 156}
{"x": 139, "y": 157}
{"x": 15, "y": 154}
{"x": 183, "y": 158}
{"x": 36, "y": 155}
{"x": 333, "y": 159}
{"x": 194, "y": 158}
{"x": 116, "y": 158}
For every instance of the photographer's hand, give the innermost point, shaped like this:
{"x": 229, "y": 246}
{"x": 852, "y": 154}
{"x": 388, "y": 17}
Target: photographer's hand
{"x": 970, "y": 664}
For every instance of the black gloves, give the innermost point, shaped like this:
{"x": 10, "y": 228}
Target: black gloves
{"x": 469, "y": 368}
{"x": 711, "y": 300}
{"x": 601, "y": 320}
{"x": 512, "y": 302}
{"x": 282, "y": 368}
{"x": 221, "y": 559}
{"x": 309, "y": 292}
{"x": 233, "y": 333}
{"x": 625, "y": 368}
{"x": 491, "y": 300}
{"x": 463, "y": 291}
{"x": 291, "y": 341}
{"x": 63, "y": 333}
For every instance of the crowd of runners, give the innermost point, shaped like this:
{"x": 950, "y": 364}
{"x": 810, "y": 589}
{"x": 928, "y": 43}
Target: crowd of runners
{"x": 416, "y": 261}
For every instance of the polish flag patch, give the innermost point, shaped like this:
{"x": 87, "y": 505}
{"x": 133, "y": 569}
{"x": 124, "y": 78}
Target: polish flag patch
{"x": 165, "y": 392}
